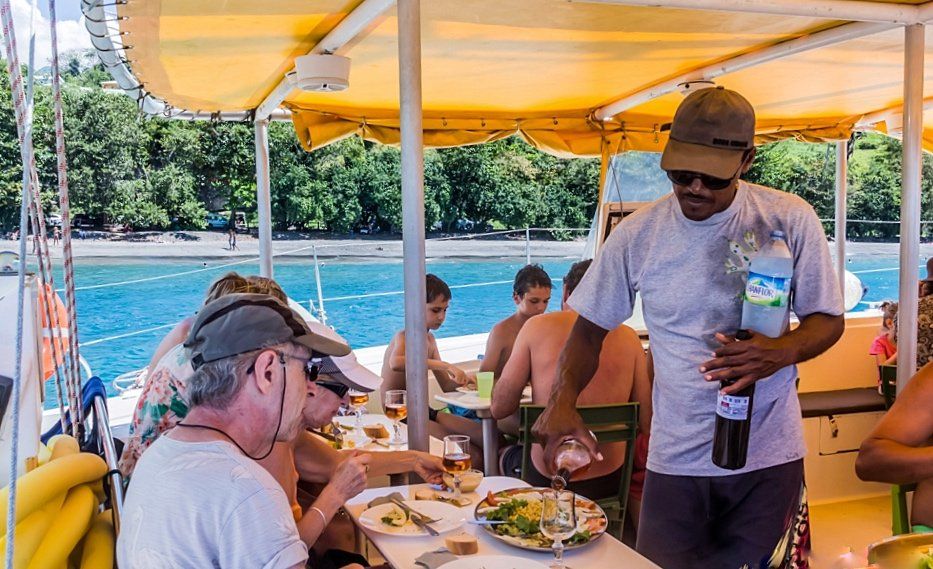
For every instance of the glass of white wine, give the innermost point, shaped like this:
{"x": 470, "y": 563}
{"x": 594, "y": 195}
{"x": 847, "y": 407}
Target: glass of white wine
{"x": 558, "y": 521}
{"x": 396, "y": 409}
{"x": 358, "y": 401}
{"x": 457, "y": 458}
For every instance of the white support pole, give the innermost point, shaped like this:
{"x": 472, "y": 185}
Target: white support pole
{"x": 842, "y": 171}
{"x": 910, "y": 204}
{"x": 320, "y": 288}
{"x": 412, "y": 139}
{"x": 605, "y": 160}
{"x": 527, "y": 246}
{"x": 344, "y": 32}
{"x": 742, "y": 61}
{"x": 854, "y": 10}
{"x": 264, "y": 198}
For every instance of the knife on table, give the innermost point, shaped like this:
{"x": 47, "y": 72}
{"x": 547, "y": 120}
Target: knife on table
{"x": 417, "y": 518}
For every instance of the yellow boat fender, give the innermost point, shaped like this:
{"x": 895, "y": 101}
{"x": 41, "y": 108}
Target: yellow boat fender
{"x": 67, "y": 529}
{"x": 29, "y": 534}
{"x": 38, "y": 487}
{"x": 97, "y": 552}
{"x": 63, "y": 445}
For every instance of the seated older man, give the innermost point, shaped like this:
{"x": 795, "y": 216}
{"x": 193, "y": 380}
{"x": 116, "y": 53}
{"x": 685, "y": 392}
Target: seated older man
{"x": 900, "y": 449}
{"x": 198, "y": 497}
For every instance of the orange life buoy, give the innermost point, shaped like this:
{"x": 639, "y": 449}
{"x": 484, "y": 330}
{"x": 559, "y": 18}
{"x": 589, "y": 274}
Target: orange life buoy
{"x": 52, "y": 359}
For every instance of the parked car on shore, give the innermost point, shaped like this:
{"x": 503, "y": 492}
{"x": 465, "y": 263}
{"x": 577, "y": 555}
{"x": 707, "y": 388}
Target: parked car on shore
{"x": 216, "y": 221}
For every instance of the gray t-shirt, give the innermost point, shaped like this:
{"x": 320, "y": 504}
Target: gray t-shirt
{"x": 691, "y": 276}
{"x": 196, "y": 505}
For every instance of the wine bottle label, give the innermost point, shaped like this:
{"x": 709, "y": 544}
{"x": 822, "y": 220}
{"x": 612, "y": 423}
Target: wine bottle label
{"x": 732, "y": 407}
{"x": 765, "y": 290}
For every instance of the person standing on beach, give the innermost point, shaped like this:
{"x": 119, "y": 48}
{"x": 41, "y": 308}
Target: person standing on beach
{"x": 231, "y": 239}
{"x": 688, "y": 255}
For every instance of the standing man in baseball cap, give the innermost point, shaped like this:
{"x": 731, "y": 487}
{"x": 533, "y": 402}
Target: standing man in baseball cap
{"x": 199, "y": 498}
{"x": 687, "y": 254}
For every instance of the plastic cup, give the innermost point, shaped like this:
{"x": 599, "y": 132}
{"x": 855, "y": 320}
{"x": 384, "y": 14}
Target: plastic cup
{"x": 484, "y": 384}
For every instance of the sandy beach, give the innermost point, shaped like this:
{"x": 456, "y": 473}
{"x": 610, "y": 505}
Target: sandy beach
{"x": 213, "y": 245}
{"x": 210, "y": 245}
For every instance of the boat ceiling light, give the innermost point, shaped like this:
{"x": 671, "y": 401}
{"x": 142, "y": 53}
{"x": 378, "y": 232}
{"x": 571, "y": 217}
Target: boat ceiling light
{"x": 321, "y": 73}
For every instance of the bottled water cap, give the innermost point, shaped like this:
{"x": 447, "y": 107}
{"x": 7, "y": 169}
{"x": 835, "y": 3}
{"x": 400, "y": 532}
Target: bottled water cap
{"x": 778, "y": 235}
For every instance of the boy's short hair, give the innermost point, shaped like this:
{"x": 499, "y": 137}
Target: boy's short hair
{"x": 530, "y": 276}
{"x": 575, "y": 274}
{"x": 435, "y": 287}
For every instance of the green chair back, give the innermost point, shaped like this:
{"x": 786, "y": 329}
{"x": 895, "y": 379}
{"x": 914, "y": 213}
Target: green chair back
{"x": 900, "y": 518}
{"x": 610, "y": 423}
{"x": 888, "y": 374}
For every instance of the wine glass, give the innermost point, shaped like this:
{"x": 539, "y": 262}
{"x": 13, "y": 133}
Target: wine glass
{"x": 457, "y": 458}
{"x": 396, "y": 409}
{"x": 358, "y": 401}
{"x": 558, "y": 521}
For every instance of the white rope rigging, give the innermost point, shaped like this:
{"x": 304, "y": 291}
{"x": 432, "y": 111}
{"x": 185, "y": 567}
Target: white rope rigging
{"x": 9, "y": 44}
{"x": 65, "y": 204}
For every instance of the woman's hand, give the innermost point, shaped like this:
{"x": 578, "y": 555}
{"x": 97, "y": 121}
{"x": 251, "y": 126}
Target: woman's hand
{"x": 351, "y": 476}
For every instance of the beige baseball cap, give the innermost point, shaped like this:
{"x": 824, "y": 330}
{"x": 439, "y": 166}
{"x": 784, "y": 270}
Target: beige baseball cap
{"x": 711, "y": 131}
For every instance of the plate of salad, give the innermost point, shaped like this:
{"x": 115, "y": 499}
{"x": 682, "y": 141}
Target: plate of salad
{"x": 520, "y": 510}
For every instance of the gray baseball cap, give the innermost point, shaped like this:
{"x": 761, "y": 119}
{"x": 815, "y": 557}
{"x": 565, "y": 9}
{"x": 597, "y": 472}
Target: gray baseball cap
{"x": 238, "y": 323}
{"x": 712, "y": 130}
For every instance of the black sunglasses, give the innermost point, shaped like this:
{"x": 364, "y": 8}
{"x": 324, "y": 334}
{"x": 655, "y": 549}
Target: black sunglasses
{"x": 335, "y": 387}
{"x": 685, "y": 178}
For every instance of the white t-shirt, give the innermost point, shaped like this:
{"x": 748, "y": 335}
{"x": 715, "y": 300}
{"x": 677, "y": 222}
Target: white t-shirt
{"x": 691, "y": 276}
{"x": 199, "y": 505}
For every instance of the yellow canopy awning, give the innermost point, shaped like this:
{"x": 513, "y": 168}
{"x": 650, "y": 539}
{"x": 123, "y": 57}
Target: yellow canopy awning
{"x": 493, "y": 68}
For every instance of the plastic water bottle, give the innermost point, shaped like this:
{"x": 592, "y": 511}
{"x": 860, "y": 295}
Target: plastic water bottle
{"x": 767, "y": 290}
{"x": 765, "y": 311}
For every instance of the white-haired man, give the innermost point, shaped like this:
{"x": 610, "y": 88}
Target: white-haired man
{"x": 199, "y": 498}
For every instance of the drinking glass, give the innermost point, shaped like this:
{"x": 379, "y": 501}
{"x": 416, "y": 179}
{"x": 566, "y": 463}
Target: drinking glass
{"x": 396, "y": 409}
{"x": 558, "y": 521}
{"x": 457, "y": 458}
{"x": 358, "y": 401}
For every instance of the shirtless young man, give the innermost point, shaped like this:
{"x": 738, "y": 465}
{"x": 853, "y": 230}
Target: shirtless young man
{"x": 900, "y": 449}
{"x": 531, "y": 293}
{"x": 448, "y": 375}
{"x": 622, "y": 376}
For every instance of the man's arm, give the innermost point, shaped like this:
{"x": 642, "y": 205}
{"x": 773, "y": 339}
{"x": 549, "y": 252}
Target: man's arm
{"x": 507, "y": 392}
{"x": 578, "y": 362}
{"x": 315, "y": 459}
{"x": 747, "y": 361}
{"x": 898, "y": 450}
{"x": 445, "y": 373}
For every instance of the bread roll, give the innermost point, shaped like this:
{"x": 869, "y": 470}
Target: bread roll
{"x": 462, "y": 544}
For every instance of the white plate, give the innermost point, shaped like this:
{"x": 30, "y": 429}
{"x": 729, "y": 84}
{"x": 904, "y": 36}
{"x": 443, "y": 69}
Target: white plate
{"x": 492, "y": 562}
{"x": 463, "y": 389}
{"x": 365, "y": 421}
{"x": 448, "y": 518}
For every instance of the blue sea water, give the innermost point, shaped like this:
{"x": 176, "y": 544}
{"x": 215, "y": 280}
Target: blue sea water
{"x": 108, "y": 312}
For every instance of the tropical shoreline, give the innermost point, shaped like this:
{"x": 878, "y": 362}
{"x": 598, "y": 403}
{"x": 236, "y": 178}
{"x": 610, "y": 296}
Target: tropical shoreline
{"x": 210, "y": 245}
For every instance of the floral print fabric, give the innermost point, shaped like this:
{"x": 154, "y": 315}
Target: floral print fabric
{"x": 162, "y": 404}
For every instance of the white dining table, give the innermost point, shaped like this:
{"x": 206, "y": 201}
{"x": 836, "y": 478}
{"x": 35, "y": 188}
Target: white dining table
{"x": 469, "y": 400}
{"x": 605, "y": 552}
{"x": 436, "y": 446}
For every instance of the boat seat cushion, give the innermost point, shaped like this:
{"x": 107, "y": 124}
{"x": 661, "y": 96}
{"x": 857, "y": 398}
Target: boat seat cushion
{"x": 840, "y": 402}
